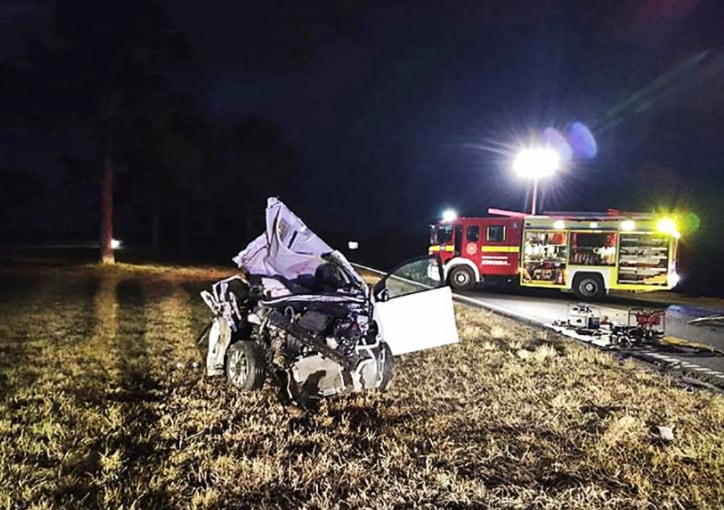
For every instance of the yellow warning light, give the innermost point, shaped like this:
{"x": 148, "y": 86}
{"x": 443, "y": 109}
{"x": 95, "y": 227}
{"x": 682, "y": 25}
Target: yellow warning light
{"x": 667, "y": 226}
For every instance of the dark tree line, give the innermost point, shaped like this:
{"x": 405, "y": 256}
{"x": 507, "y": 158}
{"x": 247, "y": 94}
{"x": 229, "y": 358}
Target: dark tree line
{"x": 112, "y": 98}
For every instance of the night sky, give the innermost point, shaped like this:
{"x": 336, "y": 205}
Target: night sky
{"x": 398, "y": 110}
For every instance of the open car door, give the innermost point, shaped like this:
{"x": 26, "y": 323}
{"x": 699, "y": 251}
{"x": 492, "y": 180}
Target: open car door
{"x": 414, "y": 308}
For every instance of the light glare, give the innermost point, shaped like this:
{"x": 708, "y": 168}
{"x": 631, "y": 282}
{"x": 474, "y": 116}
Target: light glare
{"x": 536, "y": 162}
{"x": 667, "y": 226}
{"x": 674, "y": 279}
{"x": 559, "y": 224}
{"x": 115, "y": 244}
{"x": 628, "y": 225}
{"x": 449, "y": 215}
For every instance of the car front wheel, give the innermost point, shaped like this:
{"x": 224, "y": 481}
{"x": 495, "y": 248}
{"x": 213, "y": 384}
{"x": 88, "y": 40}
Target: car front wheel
{"x": 245, "y": 365}
{"x": 384, "y": 366}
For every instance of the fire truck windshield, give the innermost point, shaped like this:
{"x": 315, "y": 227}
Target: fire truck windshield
{"x": 441, "y": 234}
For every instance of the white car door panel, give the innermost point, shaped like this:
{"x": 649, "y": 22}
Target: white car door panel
{"x": 415, "y": 315}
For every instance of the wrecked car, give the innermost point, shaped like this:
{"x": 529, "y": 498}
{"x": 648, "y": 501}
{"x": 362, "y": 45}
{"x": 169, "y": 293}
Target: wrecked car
{"x": 299, "y": 315}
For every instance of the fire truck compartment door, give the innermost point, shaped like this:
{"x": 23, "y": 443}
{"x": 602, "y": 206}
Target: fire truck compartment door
{"x": 414, "y": 308}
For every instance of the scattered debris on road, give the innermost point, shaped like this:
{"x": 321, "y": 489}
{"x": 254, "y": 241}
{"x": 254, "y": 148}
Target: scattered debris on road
{"x": 643, "y": 337}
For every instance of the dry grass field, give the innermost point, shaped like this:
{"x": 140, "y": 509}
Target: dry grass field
{"x": 101, "y": 407}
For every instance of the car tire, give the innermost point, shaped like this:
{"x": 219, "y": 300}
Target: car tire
{"x": 589, "y": 286}
{"x": 385, "y": 365}
{"x": 461, "y": 278}
{"x": 244, "y": 365}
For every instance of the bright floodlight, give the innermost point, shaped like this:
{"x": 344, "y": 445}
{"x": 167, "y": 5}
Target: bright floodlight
{"x": 449, "y": 215}
{"x": 115, "y": 244}
{"x": 352, "y": 245}
{"x": 667, "y": 226}
{"x": 536, "y": 163}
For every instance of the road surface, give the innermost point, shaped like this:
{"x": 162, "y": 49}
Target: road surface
{"x": 681, "y": 347}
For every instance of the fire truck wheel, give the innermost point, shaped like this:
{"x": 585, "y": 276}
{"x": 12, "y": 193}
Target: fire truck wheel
{"x": 461, "y": 278}
{"x": 589, "y": 286}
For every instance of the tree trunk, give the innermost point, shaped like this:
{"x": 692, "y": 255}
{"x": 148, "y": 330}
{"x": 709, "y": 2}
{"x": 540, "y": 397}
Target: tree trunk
{"x": 107, "y": 256}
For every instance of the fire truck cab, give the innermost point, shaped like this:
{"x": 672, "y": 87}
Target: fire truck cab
{"x": 477, "y": 250}
{"x": 586, "y": 253}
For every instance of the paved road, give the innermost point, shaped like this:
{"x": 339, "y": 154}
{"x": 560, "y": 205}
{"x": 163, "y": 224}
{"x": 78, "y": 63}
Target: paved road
{"x": 544, "y": 308}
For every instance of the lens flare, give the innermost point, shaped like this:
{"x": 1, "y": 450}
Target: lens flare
{"x": 555, "y": 140}
{"x": 581, "y": 141}
{"x": 690, "y": 222}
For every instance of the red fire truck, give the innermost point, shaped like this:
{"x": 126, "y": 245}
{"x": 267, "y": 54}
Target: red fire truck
{"x": 587, "y": 253}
